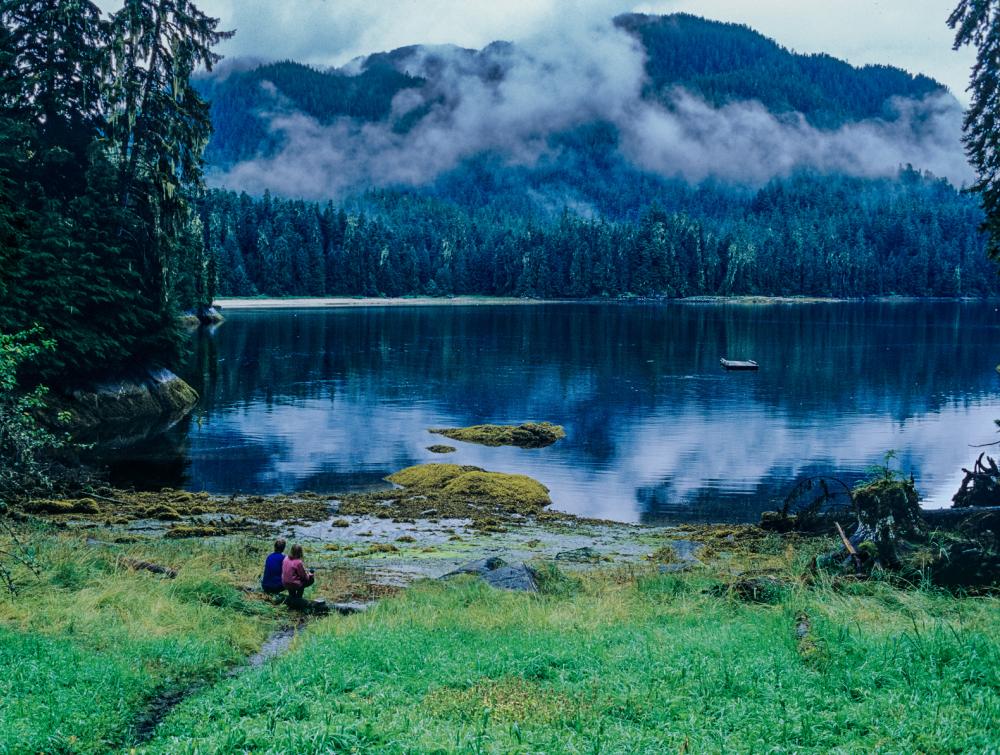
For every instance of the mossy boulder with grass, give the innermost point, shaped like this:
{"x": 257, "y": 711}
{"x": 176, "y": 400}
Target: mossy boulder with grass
{"x": 527, "y": 435}
{"x": 517, "y": 491}
{"x": 123, "y": 410}
{"x": 452, "y": 491}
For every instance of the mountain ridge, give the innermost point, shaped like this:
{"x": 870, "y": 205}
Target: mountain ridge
{"x": 720, "y": 63}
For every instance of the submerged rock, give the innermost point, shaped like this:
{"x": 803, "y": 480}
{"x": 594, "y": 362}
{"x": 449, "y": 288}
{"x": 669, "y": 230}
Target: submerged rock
{"x": 528, "y": 435}
{"x": 439, "y": 449}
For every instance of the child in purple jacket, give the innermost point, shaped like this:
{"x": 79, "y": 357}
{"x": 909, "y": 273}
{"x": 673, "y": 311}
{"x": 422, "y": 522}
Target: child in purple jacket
{"x": 271, "y": 581}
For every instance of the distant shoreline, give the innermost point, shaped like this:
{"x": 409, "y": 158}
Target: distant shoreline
{"x": 373, "y": 301}
{"x": 335, "y": 302}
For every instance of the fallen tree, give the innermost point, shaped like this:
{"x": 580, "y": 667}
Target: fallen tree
{"x": 890, "y": 533}
{"x": 981, "y": 486}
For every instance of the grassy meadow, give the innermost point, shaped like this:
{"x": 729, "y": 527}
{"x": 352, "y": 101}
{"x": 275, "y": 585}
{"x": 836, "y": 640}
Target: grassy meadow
{"x": 619, "y": 659}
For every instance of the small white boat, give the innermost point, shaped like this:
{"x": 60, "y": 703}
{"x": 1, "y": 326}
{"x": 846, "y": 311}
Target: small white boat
{"x": 731, "y": 364}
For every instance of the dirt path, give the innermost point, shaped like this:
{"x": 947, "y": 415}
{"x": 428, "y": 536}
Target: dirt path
{"x": 160, "y": 706}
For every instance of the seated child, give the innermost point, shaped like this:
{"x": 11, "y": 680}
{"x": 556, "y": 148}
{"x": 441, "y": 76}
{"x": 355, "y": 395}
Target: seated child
{"x": 271, "y": 581}
{"x": 294, "y": 576}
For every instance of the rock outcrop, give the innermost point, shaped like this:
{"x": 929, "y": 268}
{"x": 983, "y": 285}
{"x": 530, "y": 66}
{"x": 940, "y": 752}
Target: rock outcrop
{"x": 497, "y": 573}
{"x": 120, "y": 411}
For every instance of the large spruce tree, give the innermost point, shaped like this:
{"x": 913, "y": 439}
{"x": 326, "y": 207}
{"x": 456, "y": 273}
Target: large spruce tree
{"x": 977, "y": 23}
{"x": 100, "y": 150}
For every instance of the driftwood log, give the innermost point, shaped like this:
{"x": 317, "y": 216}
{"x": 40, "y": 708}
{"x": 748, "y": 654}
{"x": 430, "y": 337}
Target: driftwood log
{"x": 149, "y": 566}
{"x": 957, "y": 547}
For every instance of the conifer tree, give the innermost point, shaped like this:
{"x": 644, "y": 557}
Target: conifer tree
{"x": 977, "y": 23}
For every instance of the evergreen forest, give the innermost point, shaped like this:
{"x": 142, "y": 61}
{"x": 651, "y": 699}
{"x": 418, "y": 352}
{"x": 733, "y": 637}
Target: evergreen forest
{"x": 583, "y": 221}
{"x": 810, "y": 235}
{"x": 101, "y": 141}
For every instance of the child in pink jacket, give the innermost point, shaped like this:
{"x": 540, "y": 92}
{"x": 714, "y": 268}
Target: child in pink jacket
{"x": 294, "y": 576}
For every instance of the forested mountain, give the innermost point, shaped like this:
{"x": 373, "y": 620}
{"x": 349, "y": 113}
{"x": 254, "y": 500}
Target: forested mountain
{"x": 504, "y": 171}
{"x": 727, "y": 62}
{"x": 720, "y": 62}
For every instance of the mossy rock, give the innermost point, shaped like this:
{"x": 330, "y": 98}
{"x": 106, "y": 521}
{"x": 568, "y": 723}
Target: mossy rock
{"x": 450, "y": 491}
{"x": 429, "y": 477}
{"x": 70, "y": 506}
{"x": 163, "y": 513}
{"x": 439, "y": 449}
{"x": 452, "y": 481}
{"x": 497, "y": 487}
{"x": 527, "y": 435}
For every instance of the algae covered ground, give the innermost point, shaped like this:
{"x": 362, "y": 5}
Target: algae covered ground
{"x": 648, "y": 641}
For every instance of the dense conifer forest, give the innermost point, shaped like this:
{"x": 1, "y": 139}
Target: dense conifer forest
{"x": 809, "y": 235}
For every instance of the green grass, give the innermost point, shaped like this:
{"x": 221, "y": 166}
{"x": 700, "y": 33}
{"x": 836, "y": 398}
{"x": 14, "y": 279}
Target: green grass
{"x": 616, "y": 664}
{"x": 89, "y": 643}
{"x": 618, "y": 661}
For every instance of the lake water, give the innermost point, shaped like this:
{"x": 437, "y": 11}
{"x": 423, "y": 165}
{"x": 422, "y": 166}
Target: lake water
{"x": 335, "y": 399}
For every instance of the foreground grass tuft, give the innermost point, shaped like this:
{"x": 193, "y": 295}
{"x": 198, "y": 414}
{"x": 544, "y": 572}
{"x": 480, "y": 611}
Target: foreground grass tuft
{"x": 738, "y": 654}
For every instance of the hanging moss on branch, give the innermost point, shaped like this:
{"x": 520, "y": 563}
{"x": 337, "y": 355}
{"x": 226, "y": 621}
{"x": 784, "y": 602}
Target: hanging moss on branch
{"x": 527, "y": 435}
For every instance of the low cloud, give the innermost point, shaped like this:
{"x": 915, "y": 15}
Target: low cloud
{"x": 745, "y": 143}
{"x": 572, "y": 77}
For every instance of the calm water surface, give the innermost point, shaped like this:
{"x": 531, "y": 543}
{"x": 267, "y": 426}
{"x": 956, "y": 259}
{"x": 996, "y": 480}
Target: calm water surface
{"x": 333, "y": 400}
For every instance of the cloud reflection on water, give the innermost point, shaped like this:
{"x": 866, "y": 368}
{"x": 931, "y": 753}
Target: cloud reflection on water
{"x": 328, "y": 400}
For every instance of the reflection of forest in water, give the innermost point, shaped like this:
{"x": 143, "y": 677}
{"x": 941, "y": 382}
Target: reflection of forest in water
{"x": 653, "y": 421}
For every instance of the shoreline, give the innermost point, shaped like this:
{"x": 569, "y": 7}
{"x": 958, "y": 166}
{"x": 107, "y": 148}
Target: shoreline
{"x": 348, "y": 302}
{"x": 342, "y": 302}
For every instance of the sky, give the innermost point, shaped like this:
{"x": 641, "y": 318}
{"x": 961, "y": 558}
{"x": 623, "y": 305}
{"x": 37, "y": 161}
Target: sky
{"x": 911, "y": 34}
